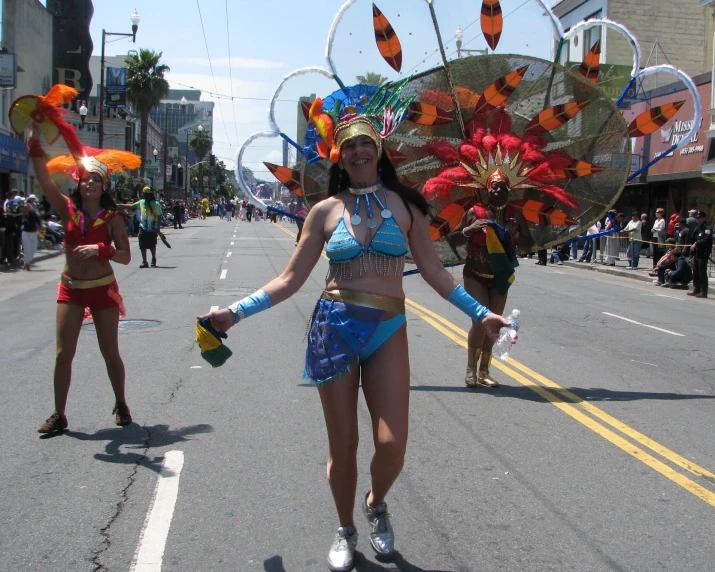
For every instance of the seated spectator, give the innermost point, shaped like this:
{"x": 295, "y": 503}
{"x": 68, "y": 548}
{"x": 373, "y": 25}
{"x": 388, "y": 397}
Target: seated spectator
{"x": 666, "y": 260}
{"x": 682, "y": 275}
{"x": 559, "y": 253}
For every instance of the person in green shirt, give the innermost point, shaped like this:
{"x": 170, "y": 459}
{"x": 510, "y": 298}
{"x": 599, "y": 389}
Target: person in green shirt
{"x": 149, "y": 227}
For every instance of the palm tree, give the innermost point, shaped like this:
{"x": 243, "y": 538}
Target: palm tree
{"x": 201, "y": 143}
{"x": 372, "y": 78}
{"x": 146, "y": 87}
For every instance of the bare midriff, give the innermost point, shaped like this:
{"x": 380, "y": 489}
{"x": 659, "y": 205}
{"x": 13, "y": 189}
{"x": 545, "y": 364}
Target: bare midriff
{"x": 89, "y": 269}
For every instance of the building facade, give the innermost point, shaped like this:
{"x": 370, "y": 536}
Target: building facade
{"x": 26, "y": 33}
{"x": 676, "y": 181}
{"x": 675, "y": 32}
{"x": 678, "y": 33}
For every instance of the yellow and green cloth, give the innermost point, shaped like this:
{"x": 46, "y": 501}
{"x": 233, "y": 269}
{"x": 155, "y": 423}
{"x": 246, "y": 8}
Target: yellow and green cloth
{"x": 209, "y": 340}
{"x": 502, "y": 256}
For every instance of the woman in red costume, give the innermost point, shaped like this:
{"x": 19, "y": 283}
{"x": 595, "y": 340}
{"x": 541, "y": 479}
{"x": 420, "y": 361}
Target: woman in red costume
{"x": 480, "y": 278}
{"x": 491, "y": 163}
{"x": 87, "y": 284}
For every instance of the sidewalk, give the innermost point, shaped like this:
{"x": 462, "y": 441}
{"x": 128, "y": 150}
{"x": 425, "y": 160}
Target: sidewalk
{"x": 640, "y": 273}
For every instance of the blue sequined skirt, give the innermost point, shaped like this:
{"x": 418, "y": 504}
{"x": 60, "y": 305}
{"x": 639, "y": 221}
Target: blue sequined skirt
{"x": 343, "y": 325}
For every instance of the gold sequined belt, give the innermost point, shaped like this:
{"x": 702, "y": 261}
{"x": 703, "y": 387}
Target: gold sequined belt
{"x": 480, "y": 274}
{"x": 377, "y": 301}
{"x": 84, "y": 284}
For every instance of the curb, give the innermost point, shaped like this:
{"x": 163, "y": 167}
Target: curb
{"x": 616, "y": 271}
{"x": 613, "y": 271}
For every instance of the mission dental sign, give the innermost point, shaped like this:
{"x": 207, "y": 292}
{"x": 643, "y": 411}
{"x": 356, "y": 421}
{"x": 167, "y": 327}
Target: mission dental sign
{"x": 689, "y": 158}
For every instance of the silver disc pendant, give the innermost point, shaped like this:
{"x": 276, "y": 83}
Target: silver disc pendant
{"x": 386, "y": 213}
{"x": 355, "y": 220}
{"x": 371, "y": 223}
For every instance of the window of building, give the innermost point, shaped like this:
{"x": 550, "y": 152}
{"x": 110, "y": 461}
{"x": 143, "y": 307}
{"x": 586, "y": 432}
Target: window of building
{"x": 565, "y": 52}
{"x": 593, "y": 34}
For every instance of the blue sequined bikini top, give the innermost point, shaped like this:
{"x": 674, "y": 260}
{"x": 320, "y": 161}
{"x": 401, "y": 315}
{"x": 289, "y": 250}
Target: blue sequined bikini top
{"x": 388, "y": 241}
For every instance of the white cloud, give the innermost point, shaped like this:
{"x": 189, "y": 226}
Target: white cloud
{"x": 234, "y": 63}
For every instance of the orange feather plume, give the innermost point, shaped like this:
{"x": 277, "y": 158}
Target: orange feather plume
{"x": 59, "y": 95}
{"x": 324, "y": 125}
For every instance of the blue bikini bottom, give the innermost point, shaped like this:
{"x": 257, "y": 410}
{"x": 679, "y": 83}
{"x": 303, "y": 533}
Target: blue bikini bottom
{"x": 347, "y": 327}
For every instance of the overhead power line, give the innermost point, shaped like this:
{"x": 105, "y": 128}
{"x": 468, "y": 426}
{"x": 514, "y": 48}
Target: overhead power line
{"x": 230, "y": 75}
{"x": 208, "y": 55}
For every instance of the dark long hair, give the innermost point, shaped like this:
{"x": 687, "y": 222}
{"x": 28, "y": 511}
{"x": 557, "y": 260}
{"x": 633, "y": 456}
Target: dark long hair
{"x": 340, "y": 181}
{"x": 105, "y": 200}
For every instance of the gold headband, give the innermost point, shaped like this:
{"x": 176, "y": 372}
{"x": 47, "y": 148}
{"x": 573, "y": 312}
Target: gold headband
{"x": 93, "y": 165}
{"x": 356, "y": 127}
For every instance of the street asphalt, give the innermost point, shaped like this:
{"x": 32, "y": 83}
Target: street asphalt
{"x": 595, "y": 454}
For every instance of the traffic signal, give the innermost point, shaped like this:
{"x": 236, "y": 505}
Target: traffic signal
{"x": 180, "y": 176}
{"x": 212, "y": 160}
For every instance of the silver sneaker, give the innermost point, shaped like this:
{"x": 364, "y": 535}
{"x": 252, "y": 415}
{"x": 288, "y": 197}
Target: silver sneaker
{"x": 382, "y": 538}
{"x": 340, "y": 557}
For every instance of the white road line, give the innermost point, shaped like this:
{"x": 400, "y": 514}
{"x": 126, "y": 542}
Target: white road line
{"x": 228, "y": 254}
{"x": 231, "y": 243}
{"x": 234, "y": 236}
{"x": 152, "y": 540}
{"x": 644, "y": 325}
{"x": 213, "y": 308}
{"x": 223, "y": 274}
{"x": 644, "y": 362}
{"x": 663, "y": 296}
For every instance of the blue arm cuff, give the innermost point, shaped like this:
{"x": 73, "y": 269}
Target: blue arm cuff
{"x": 256, "y": 302}
{"x": 460, "y": 298}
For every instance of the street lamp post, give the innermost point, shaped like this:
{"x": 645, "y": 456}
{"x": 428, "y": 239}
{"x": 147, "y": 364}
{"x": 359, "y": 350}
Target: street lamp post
{"x": 135, "y": 26}
{"x": 156, "y": 154}
{"x": 187, "y": 175}
{"x": 459, "y": 36}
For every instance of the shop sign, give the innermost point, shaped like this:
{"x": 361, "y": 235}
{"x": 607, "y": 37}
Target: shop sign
{"x": 688, "y": 158}
{"x": 612, "y": 78}
{"x": 13, "y": 154}
{"x": 8, "y": 70}
{"x": 115, "y": 90}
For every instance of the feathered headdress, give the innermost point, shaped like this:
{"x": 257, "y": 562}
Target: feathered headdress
{"x": 494, "y": 153}
{"x": 101, "y": 161}
{"x": 354, "y": 111}
{"x": 47, "y": 115}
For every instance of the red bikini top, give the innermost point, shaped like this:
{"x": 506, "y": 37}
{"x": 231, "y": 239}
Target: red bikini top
{"x": 79, "y": 232}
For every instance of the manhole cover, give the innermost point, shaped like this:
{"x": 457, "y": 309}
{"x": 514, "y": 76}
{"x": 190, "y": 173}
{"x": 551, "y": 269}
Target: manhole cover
{"x": 129, "y": 325}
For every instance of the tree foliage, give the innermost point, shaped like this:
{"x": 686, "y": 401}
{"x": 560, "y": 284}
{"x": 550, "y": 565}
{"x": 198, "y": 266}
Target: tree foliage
{"x": 201, "y": 142}
{"x": 146, "y": 87}
{"x": 128, "y": 187}
{"x": 372, "y": 78}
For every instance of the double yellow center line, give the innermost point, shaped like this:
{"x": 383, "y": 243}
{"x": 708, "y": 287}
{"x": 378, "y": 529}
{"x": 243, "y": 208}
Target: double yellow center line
{"x": 586, "y": 413}
{"x": 597, "y": 420}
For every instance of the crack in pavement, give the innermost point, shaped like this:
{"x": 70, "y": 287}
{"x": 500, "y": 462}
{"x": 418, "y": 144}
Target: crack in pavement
{"x": 118, "y": 509}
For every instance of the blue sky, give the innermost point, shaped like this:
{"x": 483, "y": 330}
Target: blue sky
{"x": 270, "y": 38}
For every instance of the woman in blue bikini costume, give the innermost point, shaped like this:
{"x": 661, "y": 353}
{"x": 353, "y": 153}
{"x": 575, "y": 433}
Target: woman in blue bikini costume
{"x": 357, "y": 332}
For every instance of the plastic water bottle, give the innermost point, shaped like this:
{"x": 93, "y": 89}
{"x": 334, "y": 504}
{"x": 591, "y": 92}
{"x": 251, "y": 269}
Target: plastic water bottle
{"x": 502, "y": 346}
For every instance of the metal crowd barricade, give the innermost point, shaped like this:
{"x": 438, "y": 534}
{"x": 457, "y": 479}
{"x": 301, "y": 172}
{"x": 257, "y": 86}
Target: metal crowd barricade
{"x": 613, "y": 246}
